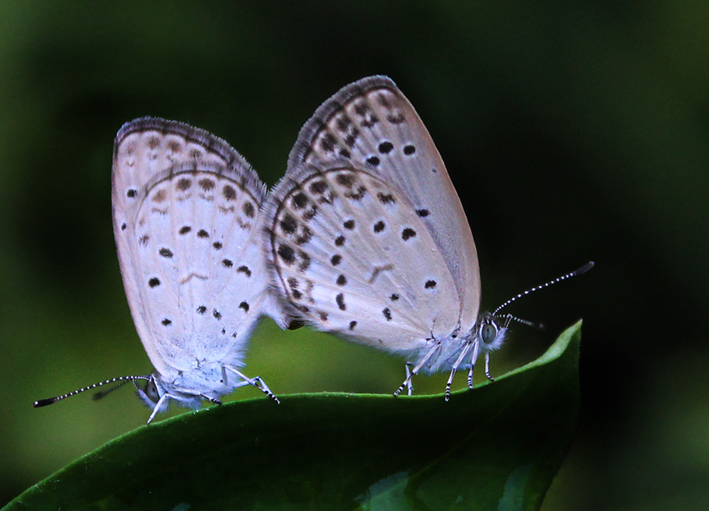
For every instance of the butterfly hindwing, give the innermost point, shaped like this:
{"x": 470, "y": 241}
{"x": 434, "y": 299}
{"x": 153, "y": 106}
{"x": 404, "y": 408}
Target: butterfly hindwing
{"x": 352, "y": 257}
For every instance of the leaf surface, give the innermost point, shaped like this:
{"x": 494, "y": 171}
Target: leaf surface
{"x": 495, "y": 447}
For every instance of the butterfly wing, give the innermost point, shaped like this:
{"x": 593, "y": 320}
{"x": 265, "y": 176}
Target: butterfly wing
{"x": 372, "y": 124}
{"x": 351, "y": 255}
{"x": 186, "y": 209}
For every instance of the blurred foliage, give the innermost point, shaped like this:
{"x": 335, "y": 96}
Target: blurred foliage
{"x": 342, "y": 451}
{"x": 572, "y": 130}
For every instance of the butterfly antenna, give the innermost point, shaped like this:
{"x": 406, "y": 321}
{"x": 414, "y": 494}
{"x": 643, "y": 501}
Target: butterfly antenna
{"x": 574, "y": 273}
{"x": 121, "y": 380}
{"x": 536, "y": 326}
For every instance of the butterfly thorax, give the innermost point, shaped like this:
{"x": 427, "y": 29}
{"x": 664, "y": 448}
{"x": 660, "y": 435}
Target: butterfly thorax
{"x": 189, "y": 388}
{"x": 443, "y": 353}
{"x": 446, "y": 352}
{"x": 157, "y": 387}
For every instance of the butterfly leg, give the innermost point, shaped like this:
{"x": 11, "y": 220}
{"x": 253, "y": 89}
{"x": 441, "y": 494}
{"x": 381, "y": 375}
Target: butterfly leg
{"x": 256, "y": 382}
{"x": 148, "y": 399}
{"x": 261, "y": 385}
{"x": 211, "y": 399}
{"x": 454, "y": 369}
{"x": 410, "y": 386}
{"x": 242, "y": 383}
{"x": 487, "y": 367}
{"x": 476, "y": 350}
{"x": 158, "y": 406}
{"x": 418, "y": 367}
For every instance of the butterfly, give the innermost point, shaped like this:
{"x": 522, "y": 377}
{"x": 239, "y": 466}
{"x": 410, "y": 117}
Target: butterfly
{"x": 187, "y": 221}
{"x": 366, "y": 237}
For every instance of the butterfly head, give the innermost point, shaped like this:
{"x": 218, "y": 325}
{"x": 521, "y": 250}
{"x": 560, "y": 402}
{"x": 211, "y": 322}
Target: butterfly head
{"x": 151, "y": 392}
{"x": 491, "y": 331}
{"x": 158, "y": 392}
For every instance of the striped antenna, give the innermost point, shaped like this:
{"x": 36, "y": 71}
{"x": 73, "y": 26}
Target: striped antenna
{"x": 121, "y": 380}
{"x": 574, "y": 273}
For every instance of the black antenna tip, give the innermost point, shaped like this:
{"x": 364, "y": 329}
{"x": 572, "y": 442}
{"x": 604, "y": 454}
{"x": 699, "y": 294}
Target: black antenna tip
{"x": 585, "y": 268}
{"x": 45, "y": 402}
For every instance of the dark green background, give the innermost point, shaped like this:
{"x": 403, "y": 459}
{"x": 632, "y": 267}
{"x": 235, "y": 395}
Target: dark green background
{"x": 572, "y": 130}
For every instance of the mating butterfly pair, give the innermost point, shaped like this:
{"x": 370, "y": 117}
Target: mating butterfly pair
{"x": 364, "y": 237}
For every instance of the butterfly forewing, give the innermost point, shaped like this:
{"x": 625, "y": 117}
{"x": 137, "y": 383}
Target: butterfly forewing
{"x": 371, "y": 123}
{"x": 186, "y": 220}
{"x": 354, "y": 258}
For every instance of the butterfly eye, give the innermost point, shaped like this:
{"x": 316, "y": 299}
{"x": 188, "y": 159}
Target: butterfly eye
{"x": 488, "y": 333}
{"x": 151, "y": 389}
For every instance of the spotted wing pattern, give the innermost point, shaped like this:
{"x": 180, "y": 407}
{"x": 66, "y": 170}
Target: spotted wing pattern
{"x": 187, "y": 218}
{"x": 371, "y": 124}
{"x": 352, "y": 256}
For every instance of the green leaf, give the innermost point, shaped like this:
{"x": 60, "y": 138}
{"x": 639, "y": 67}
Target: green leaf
{"x": 496, "y": 447}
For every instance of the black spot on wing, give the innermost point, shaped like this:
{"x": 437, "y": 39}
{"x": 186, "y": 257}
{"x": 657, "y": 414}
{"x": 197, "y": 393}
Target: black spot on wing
{"x": 206, "y": 184}
{"x": 229, "y": 193}
{"x": 346, "y": 180}
{"x": 289, "y": 224}
{"x": 386, "y": 198}
{"x": 385, "y": 147}
{"x": 318, "y": 187}
{"x": 407, "y": 234}
{"x": 328, "y": 142}
{"x": 305, "y": 236}
{"x": 304, "y": 261}
{"x": 356, "y": 195}
{"x": 396, "y": 118}
{"x": 248, "y": 209}
{"x": 373, "y": 161}
{"x": 300, "y": 200}
{"x": 286, "y": 253}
